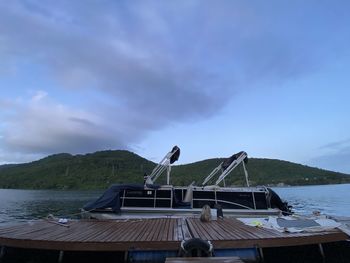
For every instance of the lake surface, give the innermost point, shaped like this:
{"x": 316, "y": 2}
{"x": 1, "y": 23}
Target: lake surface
{"x": 23, "y": 205}
{"x": 328, "y": 199}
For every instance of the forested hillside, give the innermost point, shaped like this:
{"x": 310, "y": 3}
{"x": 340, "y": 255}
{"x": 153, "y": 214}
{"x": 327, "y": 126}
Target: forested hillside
{"x": 99, "y": 170}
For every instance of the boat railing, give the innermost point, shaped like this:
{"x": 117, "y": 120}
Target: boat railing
{"x": 226, "y": 167}
{"x": 164, "y": 164}
{"x": 150, "y": 198}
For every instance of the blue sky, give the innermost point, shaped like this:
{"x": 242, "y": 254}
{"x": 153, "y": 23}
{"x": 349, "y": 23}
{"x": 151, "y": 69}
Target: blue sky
{"x": 213, "y": 77}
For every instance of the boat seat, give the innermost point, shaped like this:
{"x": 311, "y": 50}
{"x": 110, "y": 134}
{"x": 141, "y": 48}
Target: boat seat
{"x": 166, "y": 186}
{"x": 189, "y": 194}
{"x": 211, "y": 187}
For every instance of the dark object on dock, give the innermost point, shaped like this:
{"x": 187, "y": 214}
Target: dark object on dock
{"x": 219, "y": 212}
{"x": 196, "y": 247}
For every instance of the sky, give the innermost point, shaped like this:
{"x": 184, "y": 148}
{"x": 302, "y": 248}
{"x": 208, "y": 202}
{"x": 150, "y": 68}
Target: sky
{"x": 213, "y": 77}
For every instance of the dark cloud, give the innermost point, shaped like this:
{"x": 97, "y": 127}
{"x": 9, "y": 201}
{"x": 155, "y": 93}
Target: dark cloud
{"x": 154, "y": 62}
{"x": 342, "y": 145}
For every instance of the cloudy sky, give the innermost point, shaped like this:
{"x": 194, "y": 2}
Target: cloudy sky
{"x": 213, "y": 77}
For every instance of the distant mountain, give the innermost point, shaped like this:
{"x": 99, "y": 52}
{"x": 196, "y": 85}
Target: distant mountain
{"x": 100, "y": 169}
{"x": 261, "y": 172}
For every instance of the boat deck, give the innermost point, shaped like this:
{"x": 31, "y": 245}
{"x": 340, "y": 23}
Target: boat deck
{"x": 152, "y": 234}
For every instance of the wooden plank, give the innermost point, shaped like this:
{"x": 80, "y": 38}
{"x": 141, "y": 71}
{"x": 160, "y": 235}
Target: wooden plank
{"x": 119, "y": 231}
{"x": 185, "y": 230}
{"x": 162, "y": 228}
{"x": 37, "y": 231}
{"x": 250, "y": 231}
{"x": 83, "y": 232}
{"x": 222, "y": 230}
{"x": 233, "y": 230}
{"x": 136, "y": 231}
{"x": 115, "y": 232}
{"x": 123, "y": 233}
{"x": 100, "y": 232}
{"x": 192, "y": 230}
{"x": 154, "y": 225}
{"x": 165, "y": 231}
{"x": 64, "y": 234}
{"x": 197, "y": 231}
{"x": 32, "y": 229}
{"x": 171, "y": 230}
{"x": 208, "y": 228}
{"x": 203, "y": 233}
{"x": 178, "y": 232}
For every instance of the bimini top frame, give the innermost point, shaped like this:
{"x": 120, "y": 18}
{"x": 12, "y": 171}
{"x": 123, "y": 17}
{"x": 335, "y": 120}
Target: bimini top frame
{"x": 164, "y": 164}
{"x": 227, "y": 166}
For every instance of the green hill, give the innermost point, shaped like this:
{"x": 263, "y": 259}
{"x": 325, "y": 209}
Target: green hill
{"x": 100, "y": 169}
{"x": 261, "y": 172}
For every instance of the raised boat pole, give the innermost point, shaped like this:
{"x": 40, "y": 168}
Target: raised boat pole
{"x": 165, "y": 163}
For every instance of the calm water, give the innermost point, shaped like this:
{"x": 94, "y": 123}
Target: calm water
{"x": 328, "y": 199}
{"x": 23, "y": 205}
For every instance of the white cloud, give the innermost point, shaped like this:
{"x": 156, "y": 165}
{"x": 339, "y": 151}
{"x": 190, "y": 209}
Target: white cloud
{"x": 39, "y": 95}
{"x": 41, "y": 125}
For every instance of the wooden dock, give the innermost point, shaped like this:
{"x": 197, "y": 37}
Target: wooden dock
{"x": 152, "y": 234}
